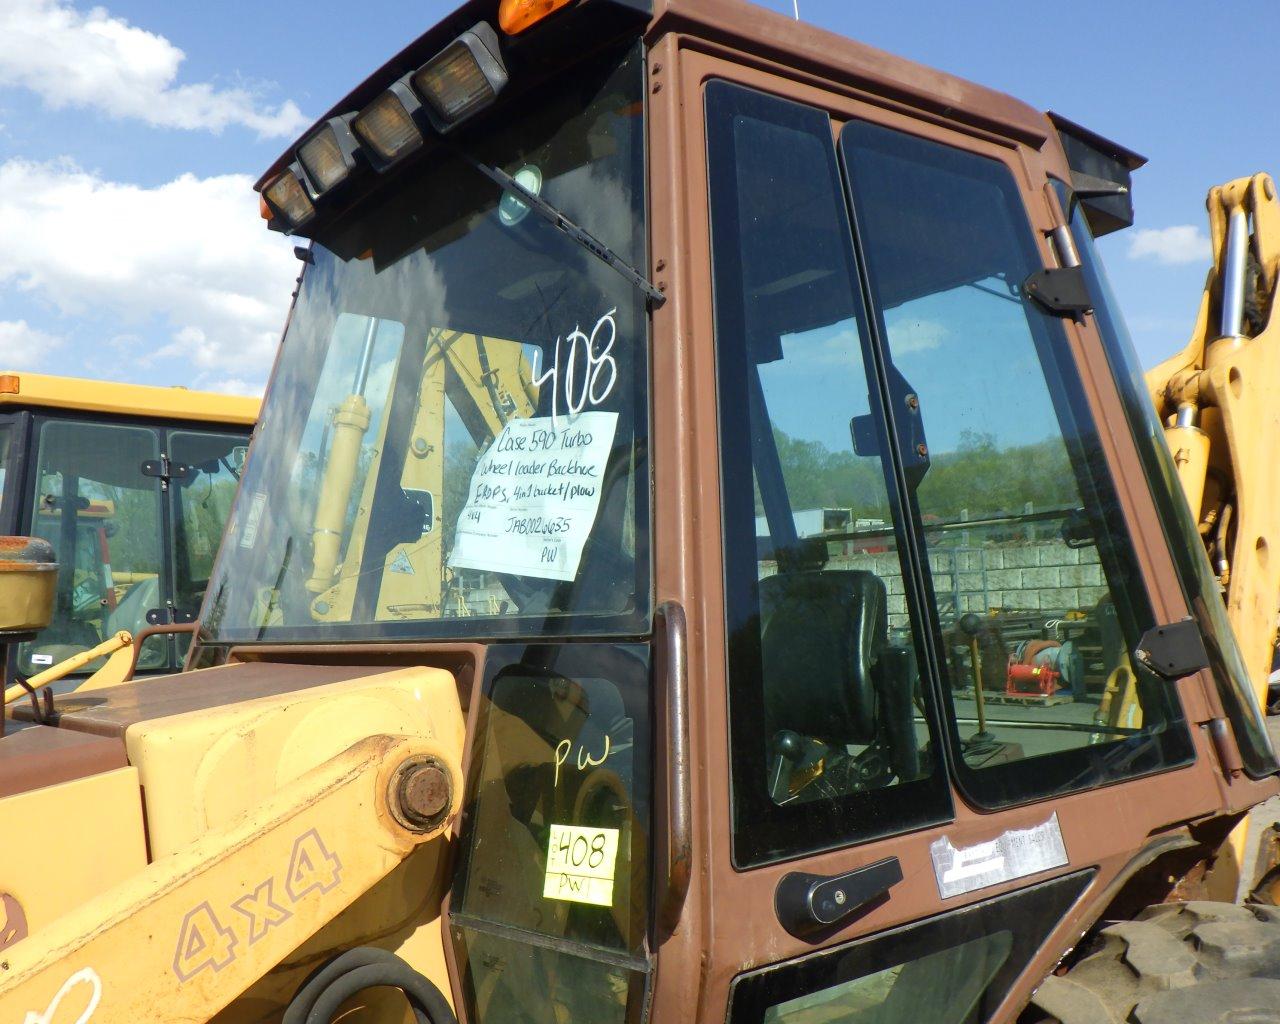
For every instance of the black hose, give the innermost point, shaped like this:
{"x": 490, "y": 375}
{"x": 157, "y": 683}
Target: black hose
{"x": 356, "y": 970}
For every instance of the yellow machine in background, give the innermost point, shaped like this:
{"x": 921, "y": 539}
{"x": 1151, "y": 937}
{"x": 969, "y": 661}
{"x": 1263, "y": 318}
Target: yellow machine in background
{"x": 1220, "y": 401}
{"x": 131, "y": 485}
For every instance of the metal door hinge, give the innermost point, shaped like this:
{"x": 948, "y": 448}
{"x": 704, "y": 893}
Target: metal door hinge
{"x": 166, "y": 469}
{"x": 1060, "y": 290}
{"x": 170, "y": 615}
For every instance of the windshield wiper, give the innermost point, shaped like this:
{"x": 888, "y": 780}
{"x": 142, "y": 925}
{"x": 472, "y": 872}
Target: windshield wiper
{"x": 559, "y": 221}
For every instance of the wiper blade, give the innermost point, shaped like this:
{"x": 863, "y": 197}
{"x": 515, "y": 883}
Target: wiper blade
{"x": 559, "y": 221}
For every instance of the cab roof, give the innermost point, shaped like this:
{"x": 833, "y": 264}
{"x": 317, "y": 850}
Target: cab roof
{"x": 171, "y": 403}
{"x": 745, "y": 27}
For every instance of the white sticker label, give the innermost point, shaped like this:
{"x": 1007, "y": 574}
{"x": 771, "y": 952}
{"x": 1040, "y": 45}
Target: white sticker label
{"x": 534, "y": 496}
{"x": 1013, "y": 854}
{"x": 580, "y": 864}
{"x": 42, "y": 659}
{"x": 252, "y": 521}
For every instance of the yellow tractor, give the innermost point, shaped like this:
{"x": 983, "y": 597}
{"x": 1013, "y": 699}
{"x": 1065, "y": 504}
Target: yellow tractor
{"x": 708, "y": 555}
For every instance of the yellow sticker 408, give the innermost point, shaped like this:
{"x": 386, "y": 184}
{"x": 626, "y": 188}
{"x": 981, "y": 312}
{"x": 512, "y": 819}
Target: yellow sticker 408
{"x": 580, "y": 864}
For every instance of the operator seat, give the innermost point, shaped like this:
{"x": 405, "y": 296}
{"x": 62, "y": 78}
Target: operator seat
{"x": 821, "y": 631}
{"x": 828, "y": 668}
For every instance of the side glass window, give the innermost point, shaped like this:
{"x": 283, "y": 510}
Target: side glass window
{"x": 201, "y": 504}
{"x": 952, "y": 969}
{"x": 102, "y": 516}
{"x": 827, "y": 710}
{"x": 1187, "y": 546}
{"x": 6, "y": 436}
{"x": 553, "y": 888}
{"x": 1036, "y": 585}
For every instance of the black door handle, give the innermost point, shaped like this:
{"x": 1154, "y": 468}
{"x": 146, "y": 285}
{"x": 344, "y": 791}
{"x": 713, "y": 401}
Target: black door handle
{"x": 808, "y": 903}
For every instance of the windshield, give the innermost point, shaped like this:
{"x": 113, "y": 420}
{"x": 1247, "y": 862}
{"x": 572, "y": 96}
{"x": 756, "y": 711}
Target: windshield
{"x": 456, "y": 428}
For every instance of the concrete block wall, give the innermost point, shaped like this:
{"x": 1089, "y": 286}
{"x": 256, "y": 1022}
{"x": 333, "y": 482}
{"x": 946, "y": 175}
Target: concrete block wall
{"x": 1043, "y": 575}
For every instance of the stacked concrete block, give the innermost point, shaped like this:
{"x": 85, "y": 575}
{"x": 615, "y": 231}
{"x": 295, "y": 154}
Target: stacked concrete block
{"x": 1042, "y": 576}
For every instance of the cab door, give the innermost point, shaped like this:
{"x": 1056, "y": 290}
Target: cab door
{"x": 135, "y": 512}
{"x": 103, "y": 515}
{"x": 931, "y": 590}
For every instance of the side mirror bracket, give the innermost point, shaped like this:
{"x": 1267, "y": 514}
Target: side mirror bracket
{"x": 1174, "y": 650}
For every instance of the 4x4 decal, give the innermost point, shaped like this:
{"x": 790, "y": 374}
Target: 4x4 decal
{"x": 209, "y": 941}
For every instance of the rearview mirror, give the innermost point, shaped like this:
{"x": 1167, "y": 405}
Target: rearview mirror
{"x": 28, "y": 580}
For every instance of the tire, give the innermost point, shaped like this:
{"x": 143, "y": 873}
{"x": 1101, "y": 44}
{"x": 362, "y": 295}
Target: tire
{"x": 1177, "y": 963}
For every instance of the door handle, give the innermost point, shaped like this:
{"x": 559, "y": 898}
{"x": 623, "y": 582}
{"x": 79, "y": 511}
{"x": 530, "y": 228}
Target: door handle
{"x": 808, "y": 903}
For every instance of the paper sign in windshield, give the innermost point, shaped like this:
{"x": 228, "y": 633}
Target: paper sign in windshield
{"x": 580, "y": 864}
{"x": 534, "y": 496}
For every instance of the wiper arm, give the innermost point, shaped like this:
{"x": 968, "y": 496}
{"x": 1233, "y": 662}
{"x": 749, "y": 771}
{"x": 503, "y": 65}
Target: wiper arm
{"x": 559, "y": 221}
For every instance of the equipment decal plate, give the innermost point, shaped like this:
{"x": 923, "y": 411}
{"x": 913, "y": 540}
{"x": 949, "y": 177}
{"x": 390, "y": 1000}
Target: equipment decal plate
{"x": 1013, "y": 854}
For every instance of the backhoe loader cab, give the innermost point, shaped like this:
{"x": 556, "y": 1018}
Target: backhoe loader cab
{"x": 131, "y": 486}
{"x": 704, "y": 474}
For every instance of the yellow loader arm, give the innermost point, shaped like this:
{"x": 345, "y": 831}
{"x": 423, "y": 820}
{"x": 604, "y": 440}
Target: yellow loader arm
{"x": 1220, "y": 401}
{"x": 195, "y": 929}
{"x": 488, "y": 381}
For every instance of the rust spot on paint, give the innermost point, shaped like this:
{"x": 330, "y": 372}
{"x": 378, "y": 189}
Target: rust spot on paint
{"x": 13, "y": 922}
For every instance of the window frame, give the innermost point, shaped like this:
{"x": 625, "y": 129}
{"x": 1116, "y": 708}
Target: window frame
{"x": 1020, "y": 782}
{"x": 764, "y": 832}
{"x": 1079, "y": 769}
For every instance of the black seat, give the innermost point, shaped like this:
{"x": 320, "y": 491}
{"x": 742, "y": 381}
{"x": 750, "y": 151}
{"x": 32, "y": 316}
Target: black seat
{"x": 821, "y": 633}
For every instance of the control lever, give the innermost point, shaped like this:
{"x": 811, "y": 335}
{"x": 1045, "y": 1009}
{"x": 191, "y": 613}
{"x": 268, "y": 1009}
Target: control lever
{"x": 808, "y": 903}
{"x": 981, "y": 634}
{"x": 789, "y": 753}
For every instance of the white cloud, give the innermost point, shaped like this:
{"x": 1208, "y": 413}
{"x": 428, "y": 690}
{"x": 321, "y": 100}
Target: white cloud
{"x": 193, "y": 254}
{"x": 1183, "y": 243}
{"x": 94, "y": 60}
{"x": 22, "y": 346}
{"x": 909, "y": 333}
{"x": 234, "y": 386}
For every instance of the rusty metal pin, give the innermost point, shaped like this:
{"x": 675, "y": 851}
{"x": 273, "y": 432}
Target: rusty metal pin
{"x": 421, "y": 793}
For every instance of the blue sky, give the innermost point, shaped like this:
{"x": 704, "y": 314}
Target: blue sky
{"x": 129, "y": 135}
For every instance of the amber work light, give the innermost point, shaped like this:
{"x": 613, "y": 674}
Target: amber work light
{"x": 514, "y": 16}
{"x": 288, "y": 197}
{"x": 328, "y": 156}
{"x": 462, "y": 79}
{"x": 386, "y": 125}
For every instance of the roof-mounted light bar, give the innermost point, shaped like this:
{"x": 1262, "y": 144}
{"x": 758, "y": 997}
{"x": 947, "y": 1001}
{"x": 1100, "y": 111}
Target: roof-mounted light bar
{"x": 456, "y": 84}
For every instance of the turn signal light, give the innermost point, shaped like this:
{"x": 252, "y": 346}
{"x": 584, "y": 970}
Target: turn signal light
{"x": 386, "y": 125}
{"x": 514, "y": 16}
{"x": 288, "y": 196}
{"x": 463, "y": 78}
{"x": 10, "y": 384}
